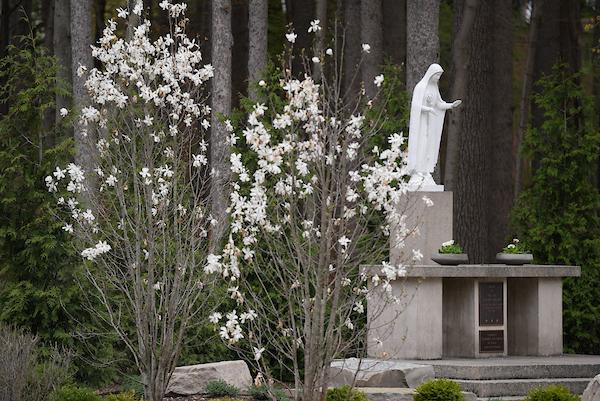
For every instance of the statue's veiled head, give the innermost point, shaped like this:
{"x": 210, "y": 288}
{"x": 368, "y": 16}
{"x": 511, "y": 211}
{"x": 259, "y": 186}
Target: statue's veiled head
{"x": 434, "y": 72}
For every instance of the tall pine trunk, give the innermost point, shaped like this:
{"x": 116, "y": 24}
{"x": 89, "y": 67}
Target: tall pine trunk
{"x": 351, "y": 49}
{"x": 257, "y": 52}
{"x": 221, "y": 106}
{"x": 423, "y": 44}
{"x": 81, "y": 39}
{"x": 483, "y": 183}
{"x": 372, "y": 34}
{"x": 395, "y": 31}
{"x": 62, "y": 49}
{"x": 239, "y": 51}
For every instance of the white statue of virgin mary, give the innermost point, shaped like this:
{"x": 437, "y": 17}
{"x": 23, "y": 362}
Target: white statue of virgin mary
{"x": 427, "y": 113}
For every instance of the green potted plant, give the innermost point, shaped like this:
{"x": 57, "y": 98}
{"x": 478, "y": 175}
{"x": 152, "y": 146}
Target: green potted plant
{"x": 514, "y": 253}
{"x": 450, "y": 253}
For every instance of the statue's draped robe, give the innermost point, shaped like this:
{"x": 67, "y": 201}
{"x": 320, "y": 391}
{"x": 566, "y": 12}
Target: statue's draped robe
{"x": 425, "y": 128}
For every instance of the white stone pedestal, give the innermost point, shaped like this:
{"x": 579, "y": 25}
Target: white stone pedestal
{"x": 413, "y": 328}
{"x": 430, "y": 226}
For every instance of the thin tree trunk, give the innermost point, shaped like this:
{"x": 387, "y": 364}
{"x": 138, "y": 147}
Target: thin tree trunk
{"x": 221, "y": 106}
{"x": 81, "y": 39}
{"x": 100, "y": 8}
{"x": 423, "y": 44}
{"x": 465, "y": 13}
{"x": 62, "y": 49}
{"x": 525, "y": 94}
{"x": 372, "y": 34}
{"x": 257, "y": 53}
{"x": 394, "y": 31}
{"x": 48, "y": 21}
{"x": 133, "y": 20}
{"x": 239, "y": 65}
{"x": 351, "y": 50}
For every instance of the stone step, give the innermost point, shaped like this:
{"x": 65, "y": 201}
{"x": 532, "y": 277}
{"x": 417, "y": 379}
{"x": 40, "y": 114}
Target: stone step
{"x": 519, "y": 387}
{"x": 567, "y": 366}
{"x": 398, "y": 394}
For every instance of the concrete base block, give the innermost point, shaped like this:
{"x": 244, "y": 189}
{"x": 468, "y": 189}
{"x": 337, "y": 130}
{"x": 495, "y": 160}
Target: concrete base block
{"x": 429, "y": 226}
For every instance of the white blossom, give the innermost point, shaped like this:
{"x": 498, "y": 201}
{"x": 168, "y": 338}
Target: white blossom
{"x": 314, "y": 26}
{"x": 291, "y": 37}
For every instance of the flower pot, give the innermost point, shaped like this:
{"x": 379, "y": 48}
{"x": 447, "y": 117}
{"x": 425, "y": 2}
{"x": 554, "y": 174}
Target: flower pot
{"x": 514, "y": 258}
{"x": 450, "y": 259}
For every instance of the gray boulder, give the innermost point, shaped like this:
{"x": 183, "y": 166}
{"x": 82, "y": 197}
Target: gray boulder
{"x": 592, "y": 391}
{"x": 189, "y": 380}
{"x": 379, "y": 373}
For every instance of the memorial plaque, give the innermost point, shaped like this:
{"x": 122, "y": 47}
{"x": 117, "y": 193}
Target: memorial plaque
{"x": 491, "y": 341}
{"x": 491, "y": 303}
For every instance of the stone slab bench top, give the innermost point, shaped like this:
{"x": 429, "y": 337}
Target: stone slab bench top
{"x": 491, "y": 270}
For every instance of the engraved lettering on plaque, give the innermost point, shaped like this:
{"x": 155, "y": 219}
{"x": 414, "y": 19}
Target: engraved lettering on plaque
{"x": 491, "y": 303}
{"x": 491, "y": 341}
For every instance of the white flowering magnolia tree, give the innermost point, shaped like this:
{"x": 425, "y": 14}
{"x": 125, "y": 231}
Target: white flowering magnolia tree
{"x": 140, "y": 214}
{"x": 312, "y": 200}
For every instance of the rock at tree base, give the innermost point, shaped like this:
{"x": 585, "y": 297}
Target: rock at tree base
{"x": 379, "y": 373}
{"x": 189, "y": 380}
{"x": 592, "y": 391}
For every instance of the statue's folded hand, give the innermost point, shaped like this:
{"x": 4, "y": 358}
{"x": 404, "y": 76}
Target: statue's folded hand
{"x": 456, "y": 103}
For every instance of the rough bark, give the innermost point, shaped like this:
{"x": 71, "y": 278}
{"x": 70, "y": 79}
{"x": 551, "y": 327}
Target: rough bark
{"x": 394, "y": 31}
{"x": 351, "y": 51}
{"x": 525, "y": 101}
{"x": 239, "y": 66}
{"x": 483, "y": 190}
{"x": 81, "y": 39}
{"x": 221, "y": 106}
{"x": 62, "y": 49}
{"x": 464, "y": 16}
{"x": 48, "y": 22}
{"x": 423, "y": 44}
{"x": 372, "y": 34}
{"x": 257, "y": 52}
{"x": 501, "y": 156}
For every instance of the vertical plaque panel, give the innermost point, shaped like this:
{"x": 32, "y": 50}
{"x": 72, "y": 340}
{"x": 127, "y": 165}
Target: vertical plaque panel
{"x": 491, "y": 303}
{"x": 491, "y": 341}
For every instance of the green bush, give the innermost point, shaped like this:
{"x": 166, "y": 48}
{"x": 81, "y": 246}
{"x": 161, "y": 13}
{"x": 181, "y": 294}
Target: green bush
{"x": 551, "y": 393}
{"x": 262, "y": 393}
{"x": 72, "y": 393}
{"x": 220, "y": 388}
{"x": 345, "y": 393}
{"x": 124, "y": 396}
{"x": 439, "y": 390}
{"x": 558, "y": 214}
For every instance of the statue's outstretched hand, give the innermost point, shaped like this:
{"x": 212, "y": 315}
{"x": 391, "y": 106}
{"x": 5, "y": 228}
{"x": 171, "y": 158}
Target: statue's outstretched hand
{"x": 456, "y": 103}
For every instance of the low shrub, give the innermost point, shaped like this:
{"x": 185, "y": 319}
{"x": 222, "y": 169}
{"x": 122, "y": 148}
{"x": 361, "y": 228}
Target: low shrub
{"x": 26, "y": 373}
{"x": 551, "y": 393}
{"x": 438, "y": 390}
{"x": 72, "y": 393}
{"x": 345, "y": 393}
{"x": 124, "y": 396}
{"x": 264, "y": 392}
{"x": 220, "y": 388}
